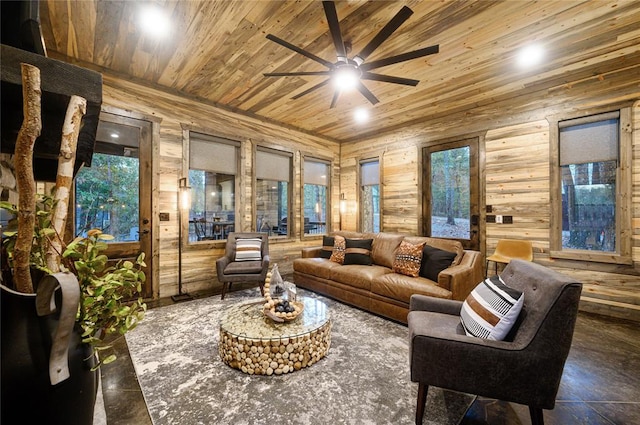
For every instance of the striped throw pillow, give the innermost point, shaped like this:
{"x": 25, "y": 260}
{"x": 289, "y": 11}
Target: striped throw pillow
{"x": 249, "y": 249}
{"x": 491, "y": 309}
{"x": 358, "y": 251}
{"x": 327, "y": 247}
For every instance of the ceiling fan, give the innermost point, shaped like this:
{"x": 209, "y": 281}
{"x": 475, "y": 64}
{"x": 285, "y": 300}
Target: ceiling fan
{"x": 354, "y": 69}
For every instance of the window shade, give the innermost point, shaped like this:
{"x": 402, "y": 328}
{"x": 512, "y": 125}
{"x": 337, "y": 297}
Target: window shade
{"x": 369, "y": 173}
{"x": 213, "y": 154}
{"x": 273, "y": 165}
{"x": 584, "y": 142}
{"x": 316, "y": 173}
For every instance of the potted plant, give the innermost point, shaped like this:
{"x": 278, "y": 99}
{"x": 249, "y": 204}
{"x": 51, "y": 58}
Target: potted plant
{"x": 109, "y": 303}
{"x": 52, "y": 329}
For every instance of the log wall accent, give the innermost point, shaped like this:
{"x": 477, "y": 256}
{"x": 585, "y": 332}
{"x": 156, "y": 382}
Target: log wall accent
{"x": 515, "y": 164}
{"x": 174, "y": 112}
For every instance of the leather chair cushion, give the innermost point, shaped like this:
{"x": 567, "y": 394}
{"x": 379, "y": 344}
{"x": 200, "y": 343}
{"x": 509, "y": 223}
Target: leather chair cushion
{"x": 244, "y": 267}
{"x": 400, "y": 287}
{"x": 384, "y": 248}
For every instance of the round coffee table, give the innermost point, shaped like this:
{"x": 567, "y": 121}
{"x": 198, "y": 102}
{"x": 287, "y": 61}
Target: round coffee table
{"x": 255, "y": 344}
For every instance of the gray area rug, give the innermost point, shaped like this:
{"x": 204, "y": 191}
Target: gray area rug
{"x": 363, "y": 380}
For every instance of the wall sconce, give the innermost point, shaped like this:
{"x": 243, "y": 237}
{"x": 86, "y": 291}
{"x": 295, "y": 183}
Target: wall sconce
{"x": 184, "y": 203}
{"x": 343, "y": 204}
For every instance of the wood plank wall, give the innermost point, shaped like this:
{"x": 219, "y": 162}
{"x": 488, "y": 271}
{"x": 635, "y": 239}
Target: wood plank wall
{"x": 516, "y": 173}
{"x": 175, "y": 112}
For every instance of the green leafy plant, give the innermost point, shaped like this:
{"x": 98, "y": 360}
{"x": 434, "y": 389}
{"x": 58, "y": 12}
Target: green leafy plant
{"x": 106, "y": 289}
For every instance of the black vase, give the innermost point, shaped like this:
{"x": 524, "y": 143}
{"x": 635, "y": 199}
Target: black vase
{"x": 28, "y": 397}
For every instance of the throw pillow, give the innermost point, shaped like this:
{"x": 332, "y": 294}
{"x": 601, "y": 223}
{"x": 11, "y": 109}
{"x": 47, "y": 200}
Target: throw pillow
{"x": 248, "y": 249}
{"x": 338, "y": 250}
{"x": 491, "y": 309}
{"x": 435, "y": 260}
{"x": 358, "y": 251}
{"x": 327, "y": 246}
{"x": 408, "y": 259}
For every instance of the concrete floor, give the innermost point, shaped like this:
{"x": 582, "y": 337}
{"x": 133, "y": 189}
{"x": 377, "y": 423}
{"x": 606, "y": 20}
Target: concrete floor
{"x": 600, "y": 384}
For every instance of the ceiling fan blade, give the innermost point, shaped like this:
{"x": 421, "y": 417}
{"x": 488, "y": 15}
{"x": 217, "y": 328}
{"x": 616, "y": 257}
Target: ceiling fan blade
{"x": 334, "y": 101}
{"x": 384, "y": 33}
{"x": 389, "y": 79}
{"x": 293, "y": 74}
{"x": 401, "y": 58}
{"x": 307, "y": 91}
{"x": 367, "y": 93}
{"x": 334, "y": 27}
{"x": 299, "y": 50}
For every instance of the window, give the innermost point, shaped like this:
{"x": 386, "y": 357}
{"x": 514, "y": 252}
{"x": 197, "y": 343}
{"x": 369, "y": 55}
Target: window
{"x": 273, "y": 177}
{"x": 213, "y": 164}
{"x": 370, "y": 195}
{"x": 592, "y": 189}
{"x": 107, "y": 193}
{"x": 315, "y": 200}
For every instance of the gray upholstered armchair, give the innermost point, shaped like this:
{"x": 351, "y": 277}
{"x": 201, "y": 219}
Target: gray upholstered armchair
{"x": 229, "y": 270}
{"x": 525, "y": 368}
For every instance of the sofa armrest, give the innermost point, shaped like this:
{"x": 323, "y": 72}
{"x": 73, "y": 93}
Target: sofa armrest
{"x": 419, "y": 302}
{"x": 221, "y": 263}
{"x": 462, "y": 278}
{"x": 311, "y": 252}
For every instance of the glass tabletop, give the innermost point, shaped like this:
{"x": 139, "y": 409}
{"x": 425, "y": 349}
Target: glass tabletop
{"x": 247, "y": 320}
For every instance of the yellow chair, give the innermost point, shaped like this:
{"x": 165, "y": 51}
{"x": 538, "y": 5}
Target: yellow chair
{"x": 507, "y": 250}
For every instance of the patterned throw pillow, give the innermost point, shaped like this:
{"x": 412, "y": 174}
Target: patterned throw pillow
{"x": 339, "y": 246}
{"x": 248, "y": 249}
{"x": 408, "y": 259}
{"x": 434, "y": 260}
{"x": 358, "y": 251}
{"x": 491, "y": 309}
{"x": 327, "y": 246}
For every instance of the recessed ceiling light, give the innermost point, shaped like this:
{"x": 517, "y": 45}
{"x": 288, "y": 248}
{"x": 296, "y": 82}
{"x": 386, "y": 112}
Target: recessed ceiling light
{"x": 361, "y": 115}
{"x": 115, "y": 135}
{"x": 530, "y": 55}
{"x": 154, "y": 21}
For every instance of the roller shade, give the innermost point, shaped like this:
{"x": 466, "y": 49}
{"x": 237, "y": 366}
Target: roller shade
{"x": 595, "y": 139}
{"x": 316, "y": 173}
{"x": 370, "y": 173}
{"x": 213, "y": 154}
{"x": 273, "y": 165}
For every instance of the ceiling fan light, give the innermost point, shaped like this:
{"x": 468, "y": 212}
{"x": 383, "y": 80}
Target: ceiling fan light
{"x": 346, "y": 79}
{"x": 361, "y": 115}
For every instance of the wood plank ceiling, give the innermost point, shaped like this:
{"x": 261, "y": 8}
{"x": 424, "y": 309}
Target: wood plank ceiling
{"x": 217, "y": 51}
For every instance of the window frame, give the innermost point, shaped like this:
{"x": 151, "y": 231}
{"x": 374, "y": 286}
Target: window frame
{"x": 624, "y": 183}
{"x": 328, "y": 162}
{"x": 363, "y": 160}
{"x": 186, "y": 167}
{"x": 291, "y": 224}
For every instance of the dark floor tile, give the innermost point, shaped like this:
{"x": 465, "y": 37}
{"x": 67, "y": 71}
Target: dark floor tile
{"x": 619, "y": 413}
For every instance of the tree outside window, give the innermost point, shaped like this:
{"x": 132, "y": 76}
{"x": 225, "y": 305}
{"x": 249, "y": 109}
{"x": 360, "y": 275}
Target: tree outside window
{"x": 315, "y": 196}
{"x": 370, "y": 195}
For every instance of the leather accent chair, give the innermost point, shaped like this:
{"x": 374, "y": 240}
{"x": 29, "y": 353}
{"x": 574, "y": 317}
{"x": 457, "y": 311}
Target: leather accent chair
{"x": 509, "y": 249}
{"x": 525, "y": 368}
{"x": 230, "y": 271}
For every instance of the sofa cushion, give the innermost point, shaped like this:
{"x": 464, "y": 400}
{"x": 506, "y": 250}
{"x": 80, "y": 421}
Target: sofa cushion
{"x": 384, "y": 248}
{"x": 357, "y": 251}
{"x": 320, "y": 267}
{"x": 400, "y": 287}
{"x": 435, "y": 260}
{"x": 358, "y": 276}
{"x": 244, "y": 267}
{"x": 491, "y": 309}
{"x": 338, "y": 250}
{"x": 327, "y": 246}
{"x": 408, "y": 259}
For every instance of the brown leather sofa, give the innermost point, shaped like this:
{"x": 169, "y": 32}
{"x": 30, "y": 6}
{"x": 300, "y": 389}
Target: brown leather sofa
{"x": 377, "y": 288}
